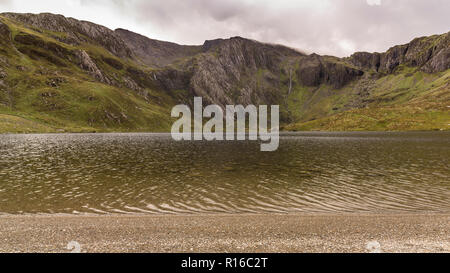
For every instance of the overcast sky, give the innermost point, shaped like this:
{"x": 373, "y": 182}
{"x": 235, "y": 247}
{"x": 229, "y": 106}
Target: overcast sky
{"x": 334, "y": 27}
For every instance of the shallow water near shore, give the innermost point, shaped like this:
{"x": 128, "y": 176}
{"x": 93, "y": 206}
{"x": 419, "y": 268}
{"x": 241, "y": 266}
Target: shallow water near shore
{"x": 150, "y": 173}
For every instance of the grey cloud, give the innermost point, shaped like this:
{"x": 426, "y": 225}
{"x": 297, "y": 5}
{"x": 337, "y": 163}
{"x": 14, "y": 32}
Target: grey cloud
{"x": 335, "y": 27}
{"x": 339, "y": 28}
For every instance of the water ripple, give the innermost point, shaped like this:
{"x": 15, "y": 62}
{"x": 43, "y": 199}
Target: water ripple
{"x": 150, "y": 173}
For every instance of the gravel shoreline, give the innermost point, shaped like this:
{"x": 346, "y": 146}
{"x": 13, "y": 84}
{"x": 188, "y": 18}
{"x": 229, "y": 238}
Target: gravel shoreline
{"x": 226, "y": 233}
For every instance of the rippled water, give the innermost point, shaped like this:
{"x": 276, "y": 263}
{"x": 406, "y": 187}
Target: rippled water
{"x": 151, "y": 173}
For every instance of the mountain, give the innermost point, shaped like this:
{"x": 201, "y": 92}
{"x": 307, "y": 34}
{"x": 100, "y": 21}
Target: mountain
{"x": 155, "y": 53}
{"x": 61, "y": 74}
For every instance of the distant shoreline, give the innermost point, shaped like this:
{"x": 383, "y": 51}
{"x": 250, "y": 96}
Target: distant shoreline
{"x": 227, "y": 233}
{"x": 12, "y": 124}
{"x": 168, "y": 133}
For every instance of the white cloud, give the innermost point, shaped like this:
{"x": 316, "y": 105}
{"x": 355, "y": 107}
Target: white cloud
{"x": 346, "y": 45}
{"x": 373, "y": 2}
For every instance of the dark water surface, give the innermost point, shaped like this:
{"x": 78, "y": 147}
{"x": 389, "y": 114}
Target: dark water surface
{"x": 151, "y": 173}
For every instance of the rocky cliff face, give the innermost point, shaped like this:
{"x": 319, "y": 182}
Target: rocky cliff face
{"x": 227, "y": 71}
{"x": 430, "y": 54}
{"x": 315, "y": 70}
{"x": 86, "y": 63}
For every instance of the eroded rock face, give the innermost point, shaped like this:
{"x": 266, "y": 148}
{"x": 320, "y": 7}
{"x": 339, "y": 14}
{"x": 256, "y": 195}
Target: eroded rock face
{"x": 249, "y": 54}
{"x": 366, "y": 60}
{"x": 418, "y": 52}
{"x": 338, "y": 75}
{"x": 393, "y": 58}
{"x": 212, "y": 81}
{"x": 439, "y": 62}
{"x": 430, "y": 54}
{"x": 86, "y": 63}
{"x": 315, "y": 70}
{"x": 226, "y": 72}
{"x": 76, "y": 31}
{"x": 311, "y": 70}
{"x": 211, "y": 44}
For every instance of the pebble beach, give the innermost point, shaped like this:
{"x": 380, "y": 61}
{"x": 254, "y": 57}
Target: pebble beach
{"x": 259, "y": 233}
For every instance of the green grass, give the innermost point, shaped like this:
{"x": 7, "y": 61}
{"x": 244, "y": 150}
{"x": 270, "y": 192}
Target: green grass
{"x": 407, "y": 100}
{"x": 379, "y": 119}
{"x": 78, "y": 103}
{"x": 15, "y": 124}
{"x": 84, "y": 104}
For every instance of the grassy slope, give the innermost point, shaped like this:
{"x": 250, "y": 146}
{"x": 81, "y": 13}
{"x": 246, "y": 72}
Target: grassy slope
{"x": 78, "y": 103}
{"x": 406, "y": 100}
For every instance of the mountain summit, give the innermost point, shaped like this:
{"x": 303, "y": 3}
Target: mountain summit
{"x": 62, "y": 74}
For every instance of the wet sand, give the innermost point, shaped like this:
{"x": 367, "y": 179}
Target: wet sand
{"x": 226, "y": 233}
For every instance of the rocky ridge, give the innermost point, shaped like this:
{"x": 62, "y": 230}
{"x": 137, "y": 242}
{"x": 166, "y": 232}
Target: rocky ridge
{"x": 430, "y": 54}
{"x": 76, "y": 31}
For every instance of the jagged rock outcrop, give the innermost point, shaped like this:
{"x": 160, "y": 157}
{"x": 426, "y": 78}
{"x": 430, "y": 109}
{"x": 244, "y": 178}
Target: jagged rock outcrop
{"x": 439, "y": 62}
{"x": 315, "y": 70}
{"x": 392, "y": 58}
{"x": 440, "y": 56}
{"x": 75, "y": 31}
{"x": 241, "y": 53}
{"x": 430, "y": 54}
{"x": 206, "y": 83}
{"x": 225, "y": 72}
{"x": 366, "y": 60}
{"x": 86, "y": 63}
{"x": 338, "y": 75}
{"x": 310, "y": 70}
{"x": 129, "y": 83}
{"x": 211, "y": 44}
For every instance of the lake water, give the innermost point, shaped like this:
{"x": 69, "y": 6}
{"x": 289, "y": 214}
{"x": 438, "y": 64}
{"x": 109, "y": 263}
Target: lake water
{"x": 151, "y": 173}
